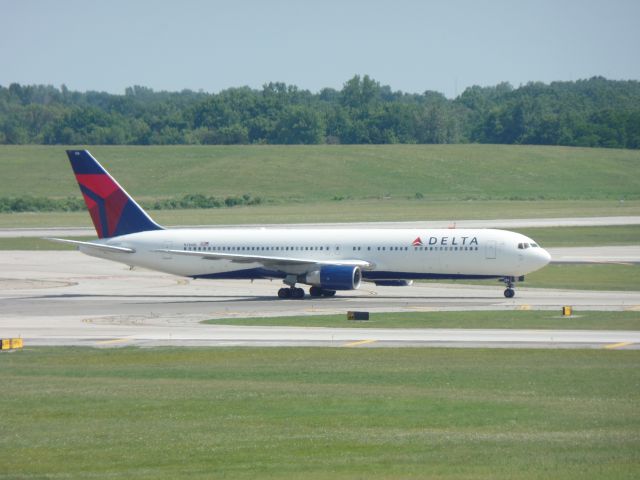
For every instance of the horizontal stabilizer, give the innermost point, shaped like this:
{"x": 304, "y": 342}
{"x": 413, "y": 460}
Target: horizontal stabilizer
{"x": 98, "y": 246}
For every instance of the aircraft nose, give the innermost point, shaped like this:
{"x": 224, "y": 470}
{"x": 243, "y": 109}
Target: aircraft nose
{"x": 543, "y": 257}
{"x": 536, "y": 258}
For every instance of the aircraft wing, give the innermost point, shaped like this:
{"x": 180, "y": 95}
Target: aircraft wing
{"x": 268, "y": 261}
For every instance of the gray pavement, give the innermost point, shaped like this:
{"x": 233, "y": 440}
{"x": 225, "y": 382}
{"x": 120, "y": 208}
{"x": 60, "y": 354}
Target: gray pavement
{"x": 66, "y": 298}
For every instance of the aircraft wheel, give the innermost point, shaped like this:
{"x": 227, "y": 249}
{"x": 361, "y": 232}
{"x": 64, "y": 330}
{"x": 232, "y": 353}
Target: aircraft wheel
{"x": 329, "y": 293}
{"x": 297, "y": 293}
{"x": 315, "y": 291}
{"x": 284, "y": 293}
{"x": 509, "y": 293}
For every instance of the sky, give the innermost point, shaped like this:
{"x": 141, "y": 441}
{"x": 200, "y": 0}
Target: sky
{"x": 410, "y": 45}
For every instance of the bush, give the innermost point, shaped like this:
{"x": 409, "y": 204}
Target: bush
{"x": 40, "y": 204}
{"x": 75, "y": 204}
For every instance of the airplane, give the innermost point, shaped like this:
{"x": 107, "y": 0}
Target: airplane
{"x": 325, "y": 259}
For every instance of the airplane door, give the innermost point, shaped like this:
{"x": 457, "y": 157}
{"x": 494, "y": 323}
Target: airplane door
{"x": 167, "y": 255}
{"x": 490, "y": 250}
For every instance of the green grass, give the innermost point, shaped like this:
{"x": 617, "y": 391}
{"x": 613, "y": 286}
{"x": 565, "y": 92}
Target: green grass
{"x": 320, "y": 173}
{"x": 375, "y": 183}
{"x": 320, "y": 413}
{"x": 512, "y": 319}
{"x": 586, "y": 277}
{"x": 578, "y": 277}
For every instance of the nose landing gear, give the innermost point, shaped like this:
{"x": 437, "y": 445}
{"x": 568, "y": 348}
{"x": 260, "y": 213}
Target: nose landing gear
{"x": 509, "y": 292}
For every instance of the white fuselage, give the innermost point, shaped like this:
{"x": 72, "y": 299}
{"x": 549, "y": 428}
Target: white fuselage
{"x": 392, "y": 253}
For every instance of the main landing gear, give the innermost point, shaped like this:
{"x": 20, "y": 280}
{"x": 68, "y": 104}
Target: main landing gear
{"x": 291, "y": 292}
{"x": 298, "y": 293}
{"x": 321, "y": 292}
{"x": 509, "y": 292}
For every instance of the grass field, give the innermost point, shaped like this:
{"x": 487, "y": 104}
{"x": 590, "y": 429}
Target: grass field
{"x": 586, "y": 277}
{"x": 342, "y": 183}
{"x": 320, "y": 173}
{"x": 320, "y": 413}
{"x": 518, "y": 319}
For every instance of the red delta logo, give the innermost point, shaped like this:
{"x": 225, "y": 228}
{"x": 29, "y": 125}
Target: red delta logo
{"x": 417, "y": 242}
{"x": 105, "y": 201}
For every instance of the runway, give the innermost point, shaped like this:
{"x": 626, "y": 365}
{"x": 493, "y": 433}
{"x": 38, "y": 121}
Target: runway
{"x": 66, "y": 298}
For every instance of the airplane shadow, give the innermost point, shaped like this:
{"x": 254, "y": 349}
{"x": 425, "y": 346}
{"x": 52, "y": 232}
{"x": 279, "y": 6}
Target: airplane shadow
{"x": 252, "y": 298}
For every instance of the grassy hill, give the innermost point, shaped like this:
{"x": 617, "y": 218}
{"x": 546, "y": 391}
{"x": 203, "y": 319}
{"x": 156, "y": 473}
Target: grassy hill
{"x": 323, "y": 173}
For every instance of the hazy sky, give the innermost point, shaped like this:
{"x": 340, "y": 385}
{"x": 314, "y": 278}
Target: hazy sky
{"x": 410, "y": 45}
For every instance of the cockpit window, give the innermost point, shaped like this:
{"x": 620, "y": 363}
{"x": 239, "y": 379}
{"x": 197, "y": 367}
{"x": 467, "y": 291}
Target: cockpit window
{"x": 534, "y": 245}
{"x": 522, "y": 246}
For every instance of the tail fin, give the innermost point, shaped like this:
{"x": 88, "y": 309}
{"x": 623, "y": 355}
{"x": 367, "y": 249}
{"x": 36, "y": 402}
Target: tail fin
{"x": 112, "y": 210}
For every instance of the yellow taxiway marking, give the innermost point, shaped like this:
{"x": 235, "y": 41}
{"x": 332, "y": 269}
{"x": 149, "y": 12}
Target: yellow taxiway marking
{"x": 618, "y": 345}
{"x": 633, "y": 308}
{"x": 359, "y": 342}
{"x": 115, "y": 340}
{"x": 524, "y": 307}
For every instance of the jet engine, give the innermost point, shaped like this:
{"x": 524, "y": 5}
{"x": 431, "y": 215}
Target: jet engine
{"x": 335, "y": 277}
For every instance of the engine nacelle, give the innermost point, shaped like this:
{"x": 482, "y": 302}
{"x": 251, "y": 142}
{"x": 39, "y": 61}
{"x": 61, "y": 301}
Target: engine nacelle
{"x": 335, "y": 277}
{"x": 393, "y": 283}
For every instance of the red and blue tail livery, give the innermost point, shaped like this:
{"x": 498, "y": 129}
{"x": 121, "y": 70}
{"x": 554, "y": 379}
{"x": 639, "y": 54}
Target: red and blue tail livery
{"x": 112, "y": 210}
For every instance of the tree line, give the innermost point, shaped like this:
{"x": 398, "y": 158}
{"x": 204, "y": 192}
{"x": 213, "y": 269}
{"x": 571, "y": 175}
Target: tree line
{"x": 593, "y": 113}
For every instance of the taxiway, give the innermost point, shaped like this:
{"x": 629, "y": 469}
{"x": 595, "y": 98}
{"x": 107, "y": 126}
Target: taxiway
{"x": 66, "y": 298}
